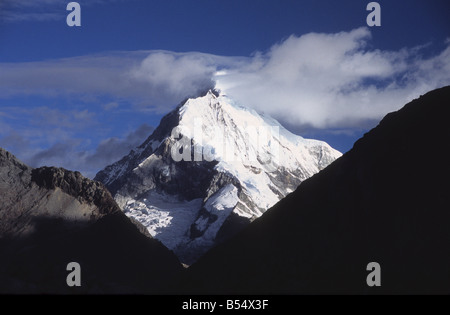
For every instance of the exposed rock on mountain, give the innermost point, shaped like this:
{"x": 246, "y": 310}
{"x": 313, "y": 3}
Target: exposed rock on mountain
{"x": 50, "y": 217}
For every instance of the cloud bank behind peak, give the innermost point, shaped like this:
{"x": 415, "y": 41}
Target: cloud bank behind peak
{"x": 317, "y": 80}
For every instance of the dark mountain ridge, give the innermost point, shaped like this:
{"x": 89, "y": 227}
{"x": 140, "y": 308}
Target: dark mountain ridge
{"x": 386, "y": 201}
{"x": 50, "y": 217}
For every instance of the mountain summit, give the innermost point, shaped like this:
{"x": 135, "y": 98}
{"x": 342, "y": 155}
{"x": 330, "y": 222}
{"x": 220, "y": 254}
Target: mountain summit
{"x": 211, "y": 167}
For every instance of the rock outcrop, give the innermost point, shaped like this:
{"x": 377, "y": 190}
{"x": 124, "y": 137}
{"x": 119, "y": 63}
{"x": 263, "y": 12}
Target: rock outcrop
{"x": 50, "y": 217}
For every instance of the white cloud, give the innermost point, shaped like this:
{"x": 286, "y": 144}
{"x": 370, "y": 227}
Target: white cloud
{"x": 315, "y": 80}
{"x": 155, "y": 80}
{"x": 71, "y": 155}
{"x": 334, "y": 80}
{"x": 32, "y": 10}
{"x": 32, "y": 3}
{"x": 175, "y": 74}
{"x": 50, "y": 145}
{"x": 110, "y": 106}
{"x": 31, "y": 132}
{"x": 40, "y": 10}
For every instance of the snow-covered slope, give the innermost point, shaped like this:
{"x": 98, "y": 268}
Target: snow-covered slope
{"x": 211, "y": 167}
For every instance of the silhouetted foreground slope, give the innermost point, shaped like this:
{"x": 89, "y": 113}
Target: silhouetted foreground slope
{"x": 385, "y": 201}
{"x": 50, "y": 217}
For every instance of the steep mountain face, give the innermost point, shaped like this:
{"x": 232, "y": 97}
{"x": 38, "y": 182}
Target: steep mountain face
{"x": 386, "y": 201}
{"x": 210, "y": 168}
{"x": 50, "y": 217}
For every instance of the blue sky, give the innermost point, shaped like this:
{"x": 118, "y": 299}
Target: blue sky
{"x": 81, "y": 97}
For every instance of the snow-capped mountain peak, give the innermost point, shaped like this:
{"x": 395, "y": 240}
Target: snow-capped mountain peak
{"x": 211, "y": 167}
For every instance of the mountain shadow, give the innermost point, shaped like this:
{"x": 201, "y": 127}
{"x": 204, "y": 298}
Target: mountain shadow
{"x": 387, "y": 201}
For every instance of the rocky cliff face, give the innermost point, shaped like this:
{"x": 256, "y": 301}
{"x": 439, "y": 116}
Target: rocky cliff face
{"x": 385, "y": 201}
{"x": 50, "y": 217}
{"x": 51, "y": 192}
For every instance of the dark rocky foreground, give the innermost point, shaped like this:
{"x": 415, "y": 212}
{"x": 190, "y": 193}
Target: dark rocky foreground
{"x": 385, "y": 201}
{"x": 50, "y": 217}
